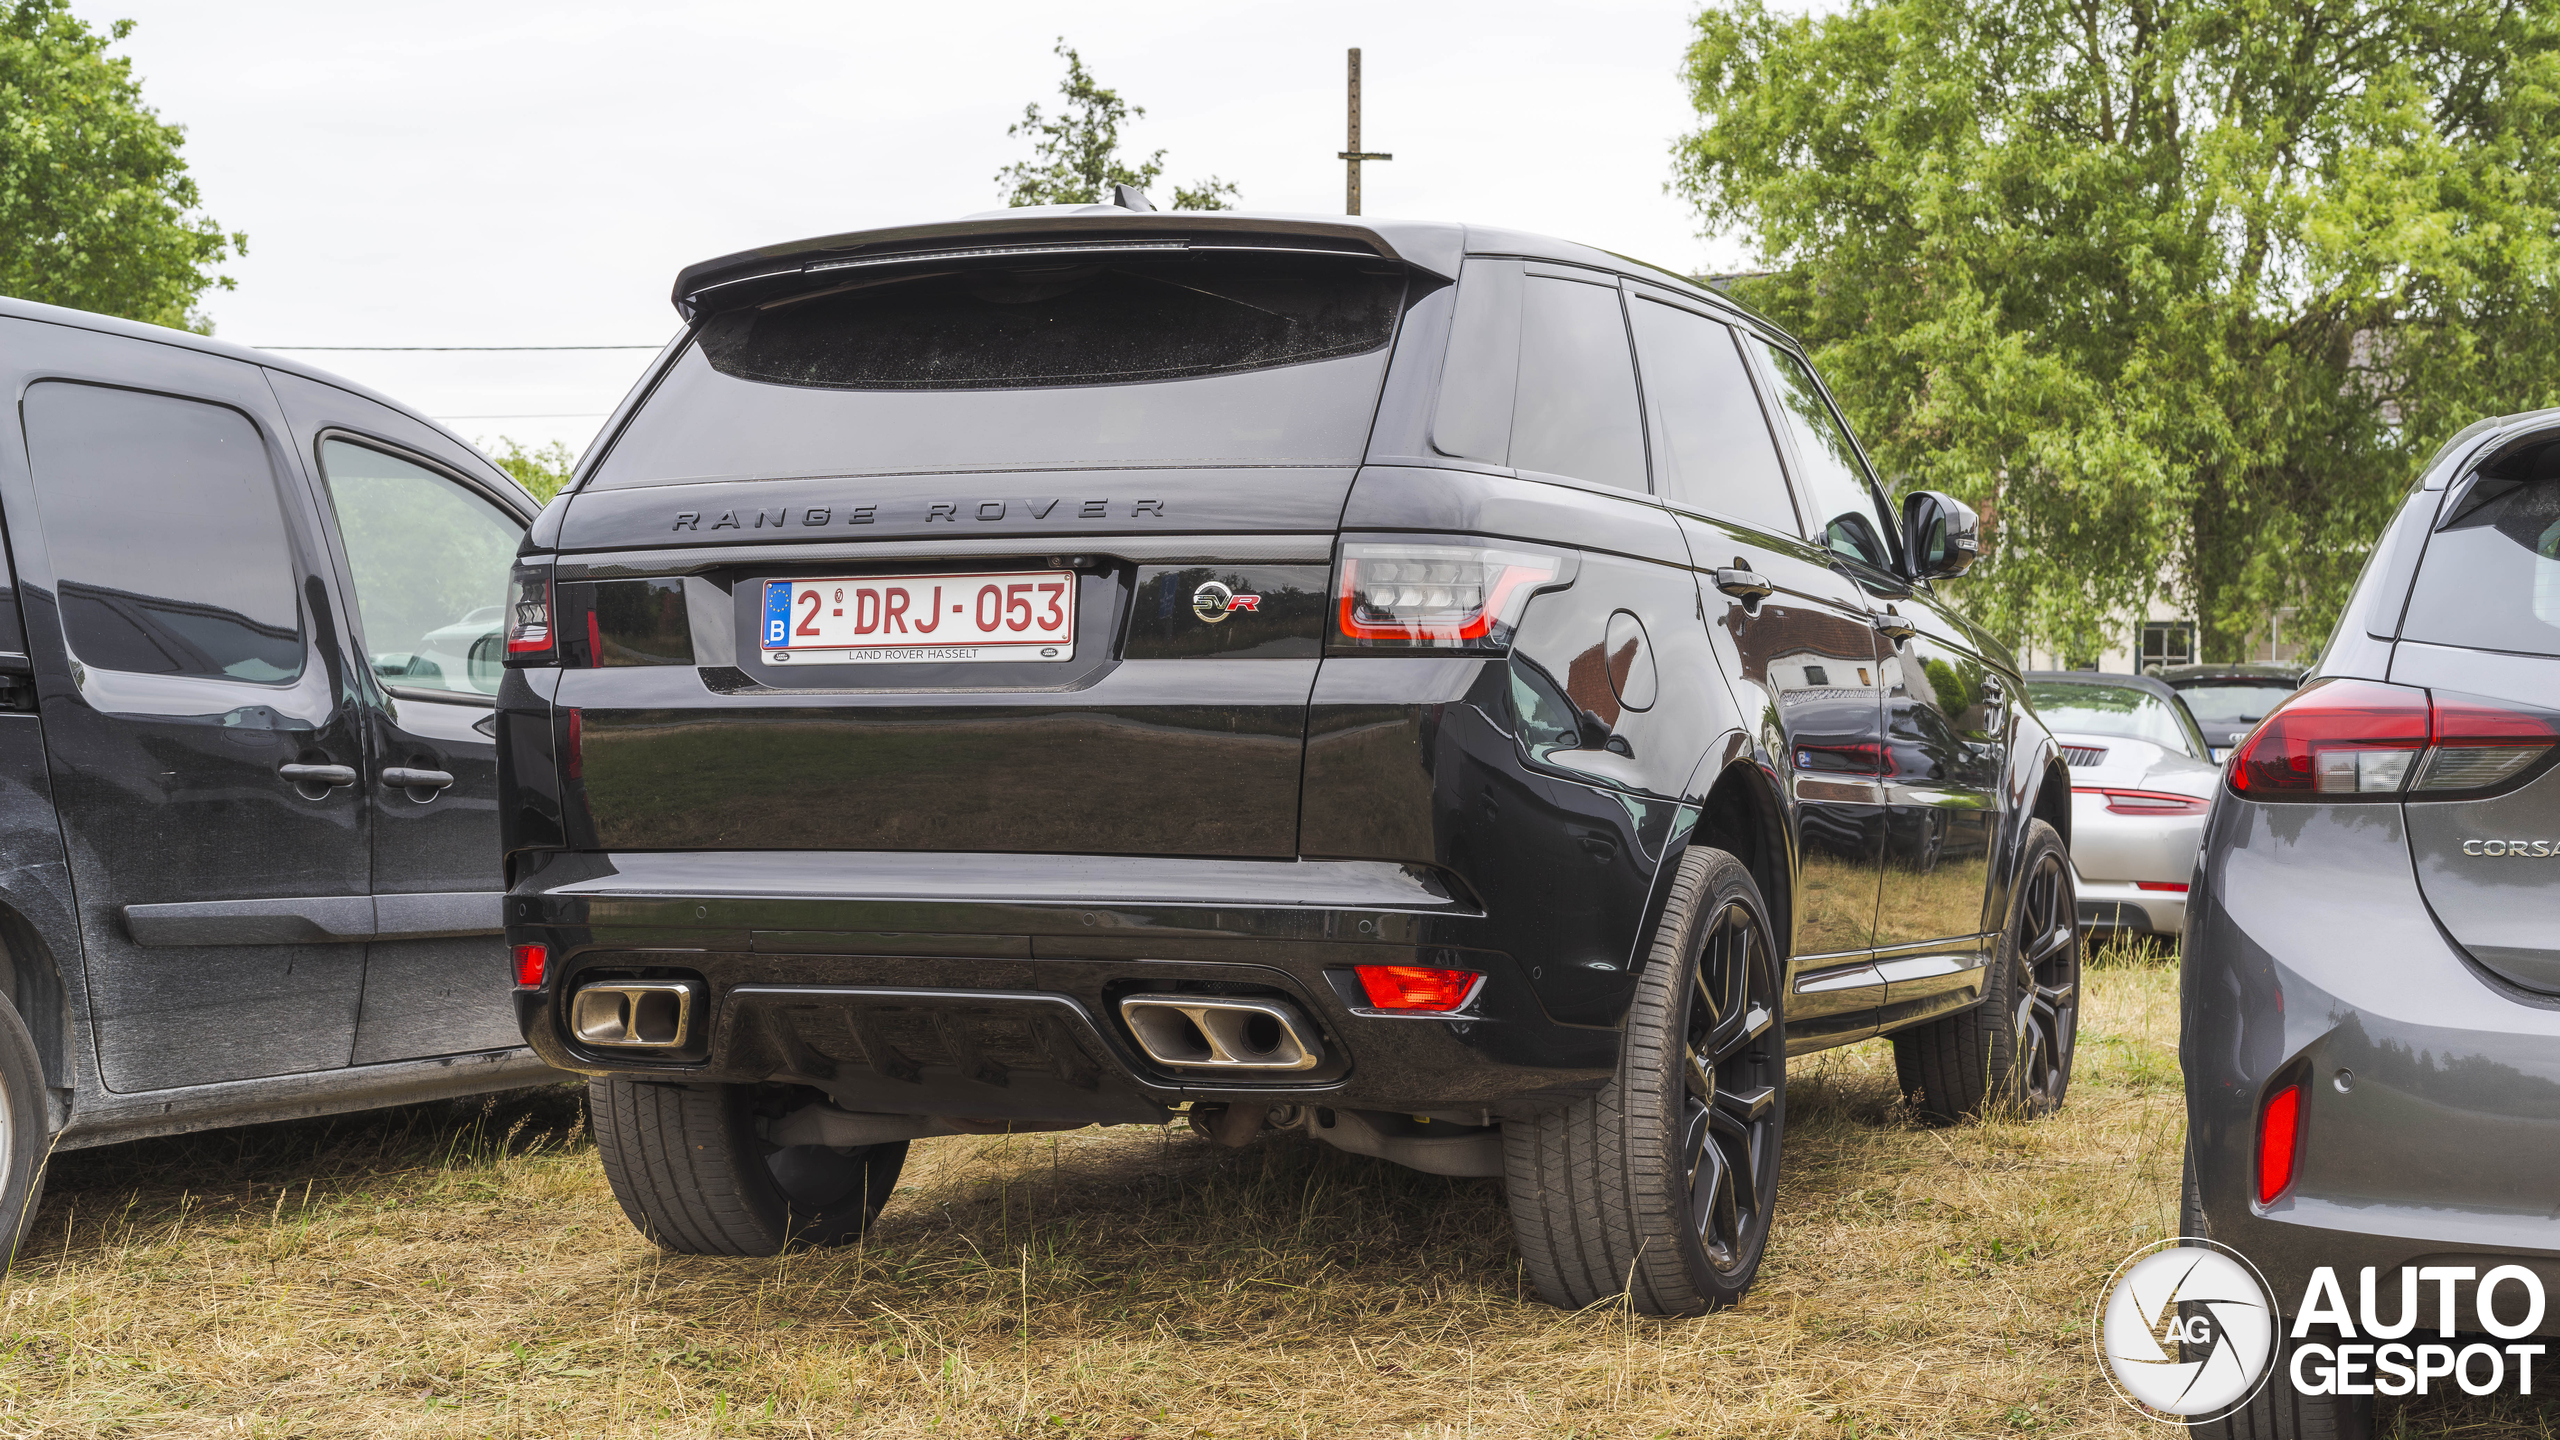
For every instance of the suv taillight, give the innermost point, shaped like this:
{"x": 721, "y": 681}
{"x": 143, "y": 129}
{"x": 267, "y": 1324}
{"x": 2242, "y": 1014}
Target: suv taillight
{"x": 1437, "y": 597}
{"x": 2351, "y": 739}
{"x": 530, "y": 636}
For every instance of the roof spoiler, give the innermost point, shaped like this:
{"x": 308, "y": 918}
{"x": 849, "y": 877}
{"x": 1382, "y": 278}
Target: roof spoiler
{"x": 1053, "y": 231}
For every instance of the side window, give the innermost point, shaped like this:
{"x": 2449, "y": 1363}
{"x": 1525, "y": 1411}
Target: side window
{"x": 167, "y": 534}
{"x": 430, "y": 561}
{"x": 1711, "y": 444}
{"x": 1575, "y": 413}
{"x": 1847, "y": 514}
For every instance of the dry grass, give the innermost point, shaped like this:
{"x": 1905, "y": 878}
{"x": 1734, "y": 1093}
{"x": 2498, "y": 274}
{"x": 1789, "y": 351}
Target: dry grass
{"x": 461, "y": 1270}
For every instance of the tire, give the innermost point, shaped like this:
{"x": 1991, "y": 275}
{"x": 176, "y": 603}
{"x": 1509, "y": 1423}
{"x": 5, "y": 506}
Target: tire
{"x": 1660, "y": 1187}
{"x": 24, "y": 1145}
{"x": 691, "y": 1173}
{"x": 2277, "y": 1411}
{"x": 2013, "y": 1051}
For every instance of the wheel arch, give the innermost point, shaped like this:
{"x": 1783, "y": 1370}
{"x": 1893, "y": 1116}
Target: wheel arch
{"x": 31, "y": 978}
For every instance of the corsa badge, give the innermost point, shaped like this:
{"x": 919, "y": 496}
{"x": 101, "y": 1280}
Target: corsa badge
{"x": 1214, "y": 602}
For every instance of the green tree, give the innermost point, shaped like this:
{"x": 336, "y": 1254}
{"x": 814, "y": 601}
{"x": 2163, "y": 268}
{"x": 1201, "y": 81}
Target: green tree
{"x": 1075, "y": 154}
{"x": 96, "y": 208}
{"x": 2189, "y": 288}
{"x": 541, "y": 471}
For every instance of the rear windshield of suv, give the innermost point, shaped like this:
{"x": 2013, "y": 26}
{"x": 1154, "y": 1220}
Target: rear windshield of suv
{"x": 2491, "y": 577}
{"x": 1147, "y": 360}
{"x": 2232, "y": 702}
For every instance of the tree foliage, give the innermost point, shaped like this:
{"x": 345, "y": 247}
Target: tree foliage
{"x": 2189, "y": 288}
{"x": 541, "y": 472}
{"x": 1075, "y": 154}
{"x": 96, "y": 208}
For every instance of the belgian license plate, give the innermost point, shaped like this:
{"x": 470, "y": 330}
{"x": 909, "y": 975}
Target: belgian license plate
{"x": 920, "y": 619}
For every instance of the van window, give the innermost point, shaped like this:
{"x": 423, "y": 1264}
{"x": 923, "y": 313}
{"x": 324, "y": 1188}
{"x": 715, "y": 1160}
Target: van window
{"x": 166, "y": 534}
{"x": 2491, "y": 576}
{"x": 1848, "y": 516}
{"x": 1155, "y": 360}
{"x": 1575, "y": 413}
{"x": 1712, "y": 450}
{"x": 429, "y": 558}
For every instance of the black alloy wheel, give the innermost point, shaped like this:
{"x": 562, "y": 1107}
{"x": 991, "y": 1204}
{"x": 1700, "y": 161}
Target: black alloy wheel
{"x": 1733, "y": 1069}
{"x": 2012, "y": 1052}
{"x": 2047, "y": 1001}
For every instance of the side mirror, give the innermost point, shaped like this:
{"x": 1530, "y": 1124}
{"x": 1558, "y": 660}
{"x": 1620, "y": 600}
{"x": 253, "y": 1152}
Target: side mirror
{"x": 1940, "y": 533}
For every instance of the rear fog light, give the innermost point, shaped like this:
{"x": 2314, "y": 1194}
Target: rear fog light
{"x": 531, "y": 961}
{"x": 1416, "y": 987}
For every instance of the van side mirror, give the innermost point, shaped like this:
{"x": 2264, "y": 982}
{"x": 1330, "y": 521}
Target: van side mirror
{"x": 1940, "y": 533}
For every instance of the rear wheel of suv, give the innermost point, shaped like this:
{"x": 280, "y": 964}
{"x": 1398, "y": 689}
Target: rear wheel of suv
{"x": 1660, "y": 1187}
{"x": 2013, "y": 1051}
{"x": 690, "y": 1171}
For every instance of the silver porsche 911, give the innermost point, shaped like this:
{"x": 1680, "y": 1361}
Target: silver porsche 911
{"x": 2142, "y": 779}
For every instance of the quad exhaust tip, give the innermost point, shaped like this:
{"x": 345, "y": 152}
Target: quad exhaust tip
{"x": 633, "y": 1014}
{"x": 1236, "y": 1034}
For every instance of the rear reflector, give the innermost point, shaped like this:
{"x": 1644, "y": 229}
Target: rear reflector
{"x": 1435, "y": 597}
{"x": 1416, "y": 987}
{"x": 531, "y": 961}
{"x": 2165, "y": 887}
{"x": 2279, "y": 1127}
{"x": 2343, "y": 739}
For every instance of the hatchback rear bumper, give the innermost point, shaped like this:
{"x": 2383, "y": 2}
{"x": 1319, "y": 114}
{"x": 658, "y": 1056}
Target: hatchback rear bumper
{"x": 988, "y": 985}
{"x": 2430, "y": 1129}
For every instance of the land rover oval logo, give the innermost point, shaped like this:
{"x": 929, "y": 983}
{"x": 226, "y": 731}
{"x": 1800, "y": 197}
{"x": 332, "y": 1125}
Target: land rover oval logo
{"x": 1214, "y": 602}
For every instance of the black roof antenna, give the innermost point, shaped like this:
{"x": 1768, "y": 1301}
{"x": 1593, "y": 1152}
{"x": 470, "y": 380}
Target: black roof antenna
{"x": 1130, "y": 197}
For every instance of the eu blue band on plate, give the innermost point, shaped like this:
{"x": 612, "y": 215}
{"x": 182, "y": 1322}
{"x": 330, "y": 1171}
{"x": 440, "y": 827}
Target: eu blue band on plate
{"x": 777, "y": 612}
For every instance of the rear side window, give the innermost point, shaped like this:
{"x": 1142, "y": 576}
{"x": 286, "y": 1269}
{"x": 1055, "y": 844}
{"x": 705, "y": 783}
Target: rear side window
{"x": 1848, "y": 516}
{"x": 2491, "y": 576}
{"x": 166, "y": 534}
{"x": 1711, "y": 445}
{"x": 1152, "y": 360}
{"x": 1575, "y": 412}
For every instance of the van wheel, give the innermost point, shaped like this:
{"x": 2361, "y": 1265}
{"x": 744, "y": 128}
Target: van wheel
{"x": 1660, "y": 1187}
{"x": 691, "y": 1173}
{"x": 2277, "y": 1411}
{"x": 24, "y": 1143}
{"x": 2013, "y": 1051}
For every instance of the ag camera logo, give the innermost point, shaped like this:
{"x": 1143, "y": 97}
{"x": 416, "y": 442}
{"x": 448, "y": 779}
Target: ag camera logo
{"x": 2188, "y": 1330}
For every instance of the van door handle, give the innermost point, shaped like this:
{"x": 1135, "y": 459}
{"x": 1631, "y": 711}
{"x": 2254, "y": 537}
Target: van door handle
{"x": 1747, "y": 586}
{"x": 399, "y": 777}
{"x": 326, "y": 777}
{"x": 1895, "y": 628}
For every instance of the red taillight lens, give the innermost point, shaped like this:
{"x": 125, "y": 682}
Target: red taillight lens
{"x": 1416, "y": 987}
{"x": 2165, "y": 887}
{"x": 1439, "y": 597}
{"x": 529, "y": 631}
{"x": 2146, "y": 802}
{"x": 531, "y": 961}
{"x": 2336, "y": 739}
{"x": 2279, "y": 1128}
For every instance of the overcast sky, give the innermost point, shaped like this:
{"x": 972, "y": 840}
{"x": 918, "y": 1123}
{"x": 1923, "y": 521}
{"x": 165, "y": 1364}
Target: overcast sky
{"x": 534, "y": 172}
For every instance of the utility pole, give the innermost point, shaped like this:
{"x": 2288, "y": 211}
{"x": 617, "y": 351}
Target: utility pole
{"x": 1354, "y": 155}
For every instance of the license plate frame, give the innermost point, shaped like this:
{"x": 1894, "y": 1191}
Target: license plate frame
{"x": 869, "y": 619}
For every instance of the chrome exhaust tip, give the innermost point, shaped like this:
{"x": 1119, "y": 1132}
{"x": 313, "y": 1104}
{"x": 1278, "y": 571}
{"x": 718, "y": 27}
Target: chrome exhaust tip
{"x": 1201, "y": 1032}
{"x": 633, "y": 1014}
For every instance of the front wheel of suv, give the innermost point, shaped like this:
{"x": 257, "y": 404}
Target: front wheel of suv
{"x": 2013, "y": 1051}
{"x": 1660, "y": 1187}
{"x": 690, "y": 1171}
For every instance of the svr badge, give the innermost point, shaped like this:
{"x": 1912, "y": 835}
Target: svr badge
{"x": 1214, "y": 602}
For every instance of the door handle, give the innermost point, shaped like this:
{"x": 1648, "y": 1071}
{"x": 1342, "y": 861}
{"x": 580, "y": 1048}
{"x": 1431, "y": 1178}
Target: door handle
{"x": 1895, "y": 628}
{"x": 314, "y": 782}
{"x": 432, "y": 782}
{"x": 1747, "y": 586}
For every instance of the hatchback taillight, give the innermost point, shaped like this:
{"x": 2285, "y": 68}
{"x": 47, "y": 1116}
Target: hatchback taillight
{"x": 530, "y": 636}
{"x": 1437, "y": 597}
{"x": 2351, "y": 739}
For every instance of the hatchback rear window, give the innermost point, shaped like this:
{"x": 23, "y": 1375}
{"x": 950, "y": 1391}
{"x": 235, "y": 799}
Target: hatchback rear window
{"x": 2232, "y": 702}
{"x": 1153, "y": 360}
{"x": 2491, "y": 576}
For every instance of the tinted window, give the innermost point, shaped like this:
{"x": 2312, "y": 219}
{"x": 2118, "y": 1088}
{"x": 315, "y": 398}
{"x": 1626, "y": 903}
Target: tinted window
{"x": 2119, "y": 710}
{"x": 1575, "y": 412}
{"x": 1256, "y": 361}
{"x": 2491, "y": 576}
{"x": 166, "y": 533}
{"x": 2232, "y": 702}
{"x": 1847, "y": 514}
{"x": 1711, "y": 445}
{"x": 430, "y": 561}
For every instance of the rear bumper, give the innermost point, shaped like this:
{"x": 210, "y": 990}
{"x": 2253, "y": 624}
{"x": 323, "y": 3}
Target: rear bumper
{"x": 2116, "y": 906}
{"x": 2431, "y": 1091}
{"x": 986, "y": 985}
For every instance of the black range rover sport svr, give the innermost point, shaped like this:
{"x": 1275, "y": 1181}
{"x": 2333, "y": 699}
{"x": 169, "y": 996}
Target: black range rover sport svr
{"x": 1457, "y": 693}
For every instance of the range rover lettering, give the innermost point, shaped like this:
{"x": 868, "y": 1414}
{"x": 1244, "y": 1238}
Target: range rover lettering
{"x": 1458, "y": 694}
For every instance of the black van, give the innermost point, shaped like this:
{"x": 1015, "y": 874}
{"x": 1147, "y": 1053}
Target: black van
{"x": 1455, "y": 693}
{"x": 249, "y": 656}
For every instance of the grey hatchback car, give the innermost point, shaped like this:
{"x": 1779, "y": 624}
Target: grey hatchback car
{"x": 2371, "y": 991}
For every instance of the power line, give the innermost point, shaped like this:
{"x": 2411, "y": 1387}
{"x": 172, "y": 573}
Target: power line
{"x": 534, "y": 415}
{"x": 456, "y": 347}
